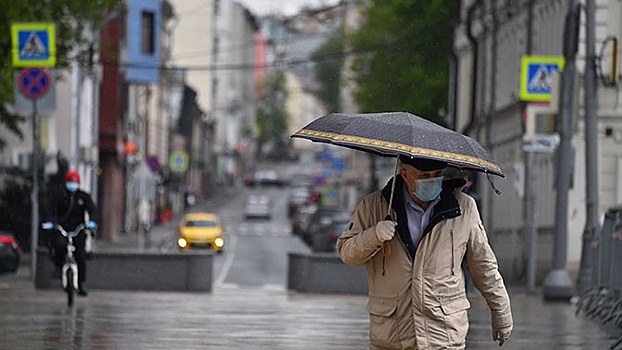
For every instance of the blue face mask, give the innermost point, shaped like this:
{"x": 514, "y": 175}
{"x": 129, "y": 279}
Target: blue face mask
{"x": 72, "y": 186}
{"x": 428, "y": 189}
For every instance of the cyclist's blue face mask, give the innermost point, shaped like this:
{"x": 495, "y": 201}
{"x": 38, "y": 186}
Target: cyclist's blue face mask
{"x": 72, "y": 186}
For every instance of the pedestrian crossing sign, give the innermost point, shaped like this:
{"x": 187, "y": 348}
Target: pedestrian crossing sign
{"x": 179, "y": 161}
{"x": 33, "y": 44}
{"x": 537, "y": 77}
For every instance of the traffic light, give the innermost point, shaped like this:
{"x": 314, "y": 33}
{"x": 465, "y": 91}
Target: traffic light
{"x": 130, "y": 148}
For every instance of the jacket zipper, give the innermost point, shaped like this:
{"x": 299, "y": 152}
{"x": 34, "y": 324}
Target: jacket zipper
{"x": 453, "y": 260}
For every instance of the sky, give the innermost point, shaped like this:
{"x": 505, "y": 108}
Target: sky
{"x": 285, "y": 7}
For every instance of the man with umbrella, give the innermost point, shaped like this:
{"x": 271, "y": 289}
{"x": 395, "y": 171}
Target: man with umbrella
{"x": 413, "y": 257}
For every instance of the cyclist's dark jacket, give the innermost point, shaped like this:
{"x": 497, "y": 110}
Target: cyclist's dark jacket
{"x": 68, "y": 209}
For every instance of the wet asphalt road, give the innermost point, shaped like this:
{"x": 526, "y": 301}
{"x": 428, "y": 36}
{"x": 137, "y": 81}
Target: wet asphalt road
{"x": 250, "y": 318}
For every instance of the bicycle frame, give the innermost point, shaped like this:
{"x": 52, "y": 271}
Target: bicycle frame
{"x": 70, "y": 263}
{"x": 69, "y": 276}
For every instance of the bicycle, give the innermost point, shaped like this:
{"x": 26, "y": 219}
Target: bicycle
{"x": 69, "y": 271}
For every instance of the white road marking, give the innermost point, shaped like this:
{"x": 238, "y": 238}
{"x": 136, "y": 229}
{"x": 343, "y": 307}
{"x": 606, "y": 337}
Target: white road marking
{"x": 270, "y": 230}
{"x": 228, "y": 262}
{"x": 229, "y": 286}
{"x": 273, "y": 287}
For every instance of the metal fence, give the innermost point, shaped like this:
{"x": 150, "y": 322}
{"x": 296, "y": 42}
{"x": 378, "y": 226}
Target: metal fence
{"x": 603, "y": 301}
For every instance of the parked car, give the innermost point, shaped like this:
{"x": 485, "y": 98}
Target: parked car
{"x": 323, "y": 216}
{"x": 258, "y": 206}
{"x": 264, "y": 178}
{"x": 301, "y": 180}
{"x": 324, "y": 237}
{"x": 10, "y": 253}
{"x": 201, "y": 230}
{"x": 297, "y": 197}
{"x": 300, "y": 220}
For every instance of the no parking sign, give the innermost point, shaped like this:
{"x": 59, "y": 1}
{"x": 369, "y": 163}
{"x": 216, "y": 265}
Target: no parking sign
{"x": 34, "y": 82}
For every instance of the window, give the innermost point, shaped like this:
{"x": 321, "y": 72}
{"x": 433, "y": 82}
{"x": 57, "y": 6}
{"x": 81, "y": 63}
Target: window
{"x": 216, "y": 7}
{"x": 147, "y": 33}
{"x": 215, "y": 45}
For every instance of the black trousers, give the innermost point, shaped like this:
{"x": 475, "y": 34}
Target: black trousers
{"x": 59, "y": 244}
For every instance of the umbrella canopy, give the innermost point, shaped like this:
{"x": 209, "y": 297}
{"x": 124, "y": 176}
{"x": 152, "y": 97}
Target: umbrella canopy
{"x": 395, "y": 133}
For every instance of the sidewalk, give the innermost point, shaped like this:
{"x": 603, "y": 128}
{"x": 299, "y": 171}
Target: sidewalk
{"x": 253, "y": 318}
{"x": 262, "y": 319}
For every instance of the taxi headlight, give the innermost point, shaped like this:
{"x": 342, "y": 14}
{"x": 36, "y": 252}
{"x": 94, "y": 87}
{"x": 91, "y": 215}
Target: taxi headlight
{"x": 181, "y": 242}
{"x": 219, "y": 242}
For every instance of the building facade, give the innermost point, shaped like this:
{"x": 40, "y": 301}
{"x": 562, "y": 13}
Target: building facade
{"x": 490, "y": 39}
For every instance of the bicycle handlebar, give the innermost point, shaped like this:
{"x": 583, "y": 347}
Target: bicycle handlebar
{"x": 71, "y": 234}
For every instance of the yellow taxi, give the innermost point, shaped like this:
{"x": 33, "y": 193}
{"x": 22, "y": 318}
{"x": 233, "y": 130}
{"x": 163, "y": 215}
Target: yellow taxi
{"x": 201, "y": 230}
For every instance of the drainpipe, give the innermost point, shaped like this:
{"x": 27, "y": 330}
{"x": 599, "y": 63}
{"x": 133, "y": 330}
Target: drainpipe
{"x": 455, "y": 75}
{"x": 488, "y": 212}
{"x": 475, "y": 45}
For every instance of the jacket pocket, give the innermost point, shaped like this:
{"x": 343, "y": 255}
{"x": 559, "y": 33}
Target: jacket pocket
{"x": 456, "y": 305}
{"x": 455, "y": 321}
{"x": 383, "y": 326}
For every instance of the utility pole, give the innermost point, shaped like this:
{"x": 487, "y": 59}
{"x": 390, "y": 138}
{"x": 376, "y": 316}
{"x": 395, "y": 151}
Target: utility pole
{"x": 530, "y": 201}
{"x": 557, "y": 285}
{"x": 75, "y": 160}
{"x": 591, "y": 149}
{"x": 34, "y": 194}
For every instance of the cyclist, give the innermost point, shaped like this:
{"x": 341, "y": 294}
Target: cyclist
{"x": 68, "y": 209}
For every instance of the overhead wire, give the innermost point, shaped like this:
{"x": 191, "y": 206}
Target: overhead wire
{"x": 286, "y": 62}
{"x": 298, "y": 61}
{"x": 234, "y": 47}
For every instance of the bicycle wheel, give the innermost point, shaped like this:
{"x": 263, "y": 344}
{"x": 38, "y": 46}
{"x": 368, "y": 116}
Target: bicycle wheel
{"x": 69, "y": 289}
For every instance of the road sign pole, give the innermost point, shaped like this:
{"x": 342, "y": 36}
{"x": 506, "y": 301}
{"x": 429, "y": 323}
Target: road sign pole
{"x": 34, "y": 192}
{"x": 33, "y": 45}
{"x": 590, "y": 231}
{"x": 557, "y": 284}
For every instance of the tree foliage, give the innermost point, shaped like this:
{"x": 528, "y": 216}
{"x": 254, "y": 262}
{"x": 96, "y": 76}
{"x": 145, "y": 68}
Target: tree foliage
{"x": 405, "y": 63}
{"x": 272, "y": 117}
{"x": 328, "y": 60}
{"x": 74, "y": 19}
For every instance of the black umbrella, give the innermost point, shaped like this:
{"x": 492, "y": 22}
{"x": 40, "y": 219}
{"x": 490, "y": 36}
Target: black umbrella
{"x": 395, "y": 133}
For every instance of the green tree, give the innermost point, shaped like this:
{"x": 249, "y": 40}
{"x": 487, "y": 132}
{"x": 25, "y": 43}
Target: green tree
{"x": 73, "y": 19}
{"x": 403, "y": 59}
{"x": 272, "y": 117}
{"x": 328, "y": 60}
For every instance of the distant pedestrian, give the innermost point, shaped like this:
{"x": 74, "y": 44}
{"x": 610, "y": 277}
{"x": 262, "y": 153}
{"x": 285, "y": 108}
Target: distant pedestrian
{"x": 145, "y": 214}
{"x": 417, "y": 297}
{"x": 470, "y": 189}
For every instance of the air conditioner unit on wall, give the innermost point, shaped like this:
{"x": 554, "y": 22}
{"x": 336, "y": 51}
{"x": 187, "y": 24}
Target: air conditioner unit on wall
{"x": 89, "y": 154}
{"x": 22, "y": 160}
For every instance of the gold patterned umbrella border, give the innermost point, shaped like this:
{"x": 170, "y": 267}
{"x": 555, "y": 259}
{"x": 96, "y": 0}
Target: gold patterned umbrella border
{"x": 393, "y": 148}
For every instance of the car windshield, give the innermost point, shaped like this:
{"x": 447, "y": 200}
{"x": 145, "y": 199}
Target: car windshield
{"x": 201, "y": 223}
{"x": 268, "y": 174}
{"x": 257, "y": 200}
{"x": 338, "y": 225}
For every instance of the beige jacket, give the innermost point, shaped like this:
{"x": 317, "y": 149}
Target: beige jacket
{"x": 420, "y": 302}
